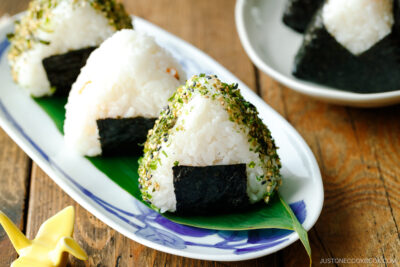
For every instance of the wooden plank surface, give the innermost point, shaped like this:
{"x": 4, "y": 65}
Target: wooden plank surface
{"x": 14, "y": 172}
{"x": 357, "y": 151}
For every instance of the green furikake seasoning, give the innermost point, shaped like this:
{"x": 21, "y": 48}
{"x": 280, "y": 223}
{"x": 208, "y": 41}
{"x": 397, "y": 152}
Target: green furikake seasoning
{"x": 39, "y": 16}
{"x": 240, "y": 112}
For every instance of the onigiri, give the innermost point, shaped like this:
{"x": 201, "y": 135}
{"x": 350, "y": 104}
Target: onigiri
{"x": 352, "y": 45}
{"x": 118, "y": 95}
{"x": 53, "y": 40}
{"x": 209, "y": 152}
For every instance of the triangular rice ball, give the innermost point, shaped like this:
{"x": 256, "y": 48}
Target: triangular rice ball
{"x": 119, "y": 94}
{"x": 353, "y": 46}
{"x": 54, "y": 38}
{"x": 208, "y": 152}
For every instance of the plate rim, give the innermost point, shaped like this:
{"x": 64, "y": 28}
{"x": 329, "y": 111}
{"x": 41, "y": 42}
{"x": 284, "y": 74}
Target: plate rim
{"x": 304, "y": 87}
{"x": 75, "y": 194}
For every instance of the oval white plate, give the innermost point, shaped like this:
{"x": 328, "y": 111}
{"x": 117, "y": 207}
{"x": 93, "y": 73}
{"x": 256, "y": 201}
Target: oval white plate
{"x": 34, "y": 131}
{"x": 272, "y": 46}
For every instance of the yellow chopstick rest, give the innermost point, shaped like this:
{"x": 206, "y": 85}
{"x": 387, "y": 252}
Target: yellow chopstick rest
{"x": 51, "y": 245}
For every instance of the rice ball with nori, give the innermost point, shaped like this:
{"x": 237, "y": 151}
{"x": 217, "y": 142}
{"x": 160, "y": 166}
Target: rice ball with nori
{"x": 208, "y": 152}
{"x": 54, "y": 38}
{"x": 119, "y": 94}
{"x": 358, "y": 24}
{"x": 353, "y": 45}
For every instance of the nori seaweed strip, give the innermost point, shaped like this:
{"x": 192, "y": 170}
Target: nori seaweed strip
{"x": 323, "y": 60}
{"x": 299, "y": 13}
{"x": 210, "y": 189}
{"x": 123, "y": 136}
{"x": 63, "y": 70}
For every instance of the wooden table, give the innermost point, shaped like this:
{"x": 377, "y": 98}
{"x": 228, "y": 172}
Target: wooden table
{"x": 358, "y": 151}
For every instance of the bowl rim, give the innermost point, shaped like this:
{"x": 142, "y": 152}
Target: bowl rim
{"x": 311, "y": 89}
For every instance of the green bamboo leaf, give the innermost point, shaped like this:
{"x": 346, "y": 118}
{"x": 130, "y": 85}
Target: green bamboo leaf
{"x": 123, "y": 171}
{"x": 298, "y": 228}
{"x": 54, "y": 107}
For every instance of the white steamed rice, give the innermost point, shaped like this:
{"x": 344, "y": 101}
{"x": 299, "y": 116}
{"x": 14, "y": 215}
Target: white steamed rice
{"x": 208, "y": 138}
{"x": 74, "y": 25}
{"x": 207, "y": 123}
{"x": 128, "y": 76}
{"x": 358, "y": 24}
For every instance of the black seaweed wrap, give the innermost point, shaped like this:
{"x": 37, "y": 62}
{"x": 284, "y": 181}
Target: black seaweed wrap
{"x": 210, "y": 189}
{"x": 321, "y": 59}
{"x": 123, "y": 136}
{"x": 63, "y": 70}
{"x": 299, "y": 13}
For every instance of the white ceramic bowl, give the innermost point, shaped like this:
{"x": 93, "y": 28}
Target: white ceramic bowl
{"x": 272, "y": 46}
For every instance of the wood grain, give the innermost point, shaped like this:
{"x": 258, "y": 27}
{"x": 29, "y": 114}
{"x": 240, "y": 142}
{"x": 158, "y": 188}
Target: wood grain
{"x": 357, "y": 151}
{"x": 12, "y": 7}
{"x": 208, "y": 25}
{"x": 14, "y": 171}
